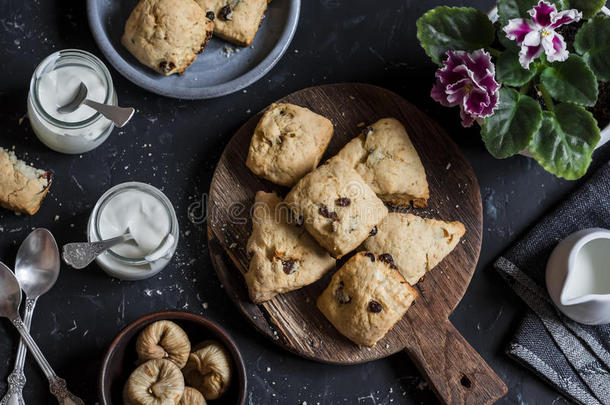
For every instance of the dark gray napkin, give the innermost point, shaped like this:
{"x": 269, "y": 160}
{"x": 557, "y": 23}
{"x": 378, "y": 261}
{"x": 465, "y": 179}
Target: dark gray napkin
{"x": 574, "y": 358}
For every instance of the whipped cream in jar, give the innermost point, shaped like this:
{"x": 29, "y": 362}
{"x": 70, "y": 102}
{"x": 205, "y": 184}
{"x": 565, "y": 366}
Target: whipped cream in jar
{"x": 54, "y": 83}
{"x": 147, "y": 214}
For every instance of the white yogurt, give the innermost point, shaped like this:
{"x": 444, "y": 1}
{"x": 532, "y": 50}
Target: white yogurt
{"x": 54, "y": 83}
{"x": 150, "y": 218}
{"x": 140, "y": 214}
{"x": 58, "y": 87}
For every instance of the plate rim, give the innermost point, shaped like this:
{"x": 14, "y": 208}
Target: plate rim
{"x": 126, "y": 69}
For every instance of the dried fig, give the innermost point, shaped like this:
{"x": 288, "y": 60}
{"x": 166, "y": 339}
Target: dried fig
{"x": 156, "y": 382}
{"x": 192, "y": 397}
{"x": 209, "y": 369}
{"x": 164, "y": 340}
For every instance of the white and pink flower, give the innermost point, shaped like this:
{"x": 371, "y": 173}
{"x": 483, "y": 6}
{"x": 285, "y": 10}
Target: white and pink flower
{"x": 467, "y": 80}
{"x": 537, "y": 35}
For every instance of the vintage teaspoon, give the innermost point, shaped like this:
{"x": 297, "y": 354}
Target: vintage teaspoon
{"x": 36, "y": 269}
{"x": 119, "y": 115}
{"x": 10, "y": 298}
{"x": 79, "y": 255}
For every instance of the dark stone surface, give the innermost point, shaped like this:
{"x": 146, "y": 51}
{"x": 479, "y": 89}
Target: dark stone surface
{"x": 175, "y": 144}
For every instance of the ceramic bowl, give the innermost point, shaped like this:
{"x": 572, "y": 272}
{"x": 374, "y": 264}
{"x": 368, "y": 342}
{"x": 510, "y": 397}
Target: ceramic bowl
{"x": 569, "y": 283}
{"x": 222, "y": 69}
{"x": 120, "y": 359}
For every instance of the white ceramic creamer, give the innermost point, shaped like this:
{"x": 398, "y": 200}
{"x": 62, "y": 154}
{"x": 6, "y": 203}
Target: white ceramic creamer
{"x": 578, "y": 276}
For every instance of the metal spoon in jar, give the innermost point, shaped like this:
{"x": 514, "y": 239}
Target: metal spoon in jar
{"x": 119, "y": 115}
{"x": 80, "y": 255}
{"x": 36, "y": 269}
{"x": 10, "y": 299}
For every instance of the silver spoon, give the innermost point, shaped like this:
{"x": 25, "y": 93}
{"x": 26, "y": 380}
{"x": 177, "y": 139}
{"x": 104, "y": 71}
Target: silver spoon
{"x": 119, "y": 115}
{"x": 80, "y": 255}
{"x": 36, "y": 269}
{"x": 10, "y": 298}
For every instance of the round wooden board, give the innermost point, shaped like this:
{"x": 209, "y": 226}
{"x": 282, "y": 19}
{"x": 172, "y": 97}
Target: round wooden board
{"x": 292, "y": 320}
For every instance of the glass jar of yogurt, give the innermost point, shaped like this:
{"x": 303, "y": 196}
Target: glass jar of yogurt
{"x": 148, "y": 215}
{"x": 54, "y": 83}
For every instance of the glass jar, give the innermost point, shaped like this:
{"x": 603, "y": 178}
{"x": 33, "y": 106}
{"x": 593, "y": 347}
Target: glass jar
{"x": 63, "y": 136}
{"x": 127, "y": 268}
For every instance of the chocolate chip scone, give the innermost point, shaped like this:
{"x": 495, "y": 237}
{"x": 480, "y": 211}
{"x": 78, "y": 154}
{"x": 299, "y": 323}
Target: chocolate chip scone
{"x": 416, "y": 244}
{"x": 337, "y": 207}
{"x": 237, "y": 21}
{"x": 22, "y": 187}
{"x": 167, "y": 35}
{"x": 387, "y": 160}
{"x": 288, "y": 143}
{"x": 366, "y": 298}
{"x": 284, "y": 257}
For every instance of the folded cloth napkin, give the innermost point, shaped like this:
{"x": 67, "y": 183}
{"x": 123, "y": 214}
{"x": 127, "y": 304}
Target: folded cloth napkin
{"x": 574, "y": 358}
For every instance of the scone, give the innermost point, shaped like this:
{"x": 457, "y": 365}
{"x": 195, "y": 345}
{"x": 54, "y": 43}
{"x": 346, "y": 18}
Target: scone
{"x": 284, "y": 257}
{"x": 416, "y": 244}
{"x": 167, "y": 35}
{"x": 288, "y": 143}
{"x": 337, "y": 207}
{"x": 22, "y": 187}
{"x": 366, "y": 297}
{"x": 237, "y": 21}
{"x": 386, "y": 159}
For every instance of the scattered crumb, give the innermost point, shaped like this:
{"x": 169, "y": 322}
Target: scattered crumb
{"x": 205, "y": 305}
{"x": 268, "y": 369}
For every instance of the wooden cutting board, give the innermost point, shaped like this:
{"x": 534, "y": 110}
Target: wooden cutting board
{"x": 454, "y": 369}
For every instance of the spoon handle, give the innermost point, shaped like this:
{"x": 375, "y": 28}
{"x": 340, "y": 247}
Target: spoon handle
{"x": 79, "y": 255}
{"x": 17, "y": 380}
{"x": 119, "y": 115}
{"x": 57, "y": 385}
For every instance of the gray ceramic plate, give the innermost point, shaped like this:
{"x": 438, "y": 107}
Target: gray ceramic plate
{"x": 216, "y": 72}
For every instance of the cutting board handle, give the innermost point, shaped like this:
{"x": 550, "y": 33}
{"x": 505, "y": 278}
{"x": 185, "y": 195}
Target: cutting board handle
{"x": 455, "y": 371}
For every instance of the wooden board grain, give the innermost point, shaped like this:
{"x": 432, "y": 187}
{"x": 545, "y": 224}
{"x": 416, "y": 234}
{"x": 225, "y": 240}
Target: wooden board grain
{"x": 455, "y": 370}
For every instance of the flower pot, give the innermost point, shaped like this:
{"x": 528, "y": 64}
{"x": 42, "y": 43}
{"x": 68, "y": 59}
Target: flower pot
{"x": 604, "y": 132}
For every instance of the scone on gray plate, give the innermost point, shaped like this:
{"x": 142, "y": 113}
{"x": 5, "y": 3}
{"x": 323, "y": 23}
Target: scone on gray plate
{"x": 416, "y": 244}
{"x": 283, "y": 256}
{"x": 288, "y": 143}
{"x": 387, "y": 160}
{"x": 167, "y": 35}
{"x": 22, "y": 187}
{"x": 366, "y": 297}
{"x": 237, "y": 21}
{"x": 337, "y": 207}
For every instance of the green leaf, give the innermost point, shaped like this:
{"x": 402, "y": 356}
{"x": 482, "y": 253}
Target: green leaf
{"x": 513, "y": 125}
{"x": 571, "y": 81}
{"x": 510, "y": 72}
{"x": 456, "y": 28}
{"x": 566, "y": 140}
{"x": 509, "y": 44}
{"x": 593, "y": 43}
{"x": 589, "y": 8}
{"x": 509, "y": 9}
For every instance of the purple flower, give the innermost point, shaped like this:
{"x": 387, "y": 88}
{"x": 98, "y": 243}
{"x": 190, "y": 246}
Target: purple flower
{"x": 538, "y": 34}
{"x": 467, "y": 80}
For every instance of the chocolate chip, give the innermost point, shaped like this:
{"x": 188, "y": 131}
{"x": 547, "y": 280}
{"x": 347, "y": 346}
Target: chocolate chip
{"x": 289, "y": 266}
{"x": 367, "y": 131}
{"x": 343, "y": 201}
{"x": 210, "y": 15}
{"x": 323, "y": 210}
{"x": 375, "y": 307}
{"x": 387, "y": 258}
{"x": 226, "y": 13}
{"x": 373, "y": 231}
{"x": 166, "y": 67}
{"x": 342, "y": 297}
{"x": 370, "y": 256}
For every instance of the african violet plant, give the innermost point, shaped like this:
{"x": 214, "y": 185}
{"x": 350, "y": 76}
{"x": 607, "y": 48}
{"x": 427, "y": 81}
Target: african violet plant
{"x": 524, "y": 82}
